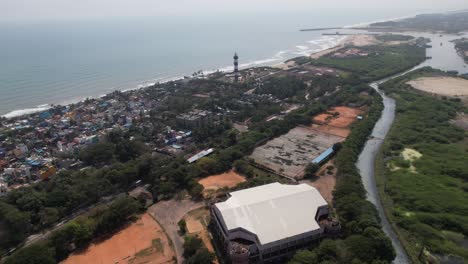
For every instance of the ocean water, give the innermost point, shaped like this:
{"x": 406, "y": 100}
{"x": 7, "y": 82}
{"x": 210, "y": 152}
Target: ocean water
{"x": 63, "y": 62}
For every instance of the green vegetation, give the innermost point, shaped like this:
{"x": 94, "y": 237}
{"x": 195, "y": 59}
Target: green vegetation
{"x": 382, "y": 61}
{"x": 448, "y": 22}
{"x": 195, "y": 251}
{"x": 462, "y": 47}
{"x": 182, "y": 226}
{"x": 78, "y": 233}
{"x": 310, "y": 170}
{"x": 282, "y": 88}
{"x": 119, "y": 160}
{"x": 35, "y": 254}
{"x": 116, "y": 146}
{"x": 427, "y": 198}
{"x": 363, "y": 240}
{"x": 393, "y": 37}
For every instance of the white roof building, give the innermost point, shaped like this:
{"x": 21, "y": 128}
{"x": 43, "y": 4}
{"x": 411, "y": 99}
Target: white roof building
{"x": 273, "y": 212}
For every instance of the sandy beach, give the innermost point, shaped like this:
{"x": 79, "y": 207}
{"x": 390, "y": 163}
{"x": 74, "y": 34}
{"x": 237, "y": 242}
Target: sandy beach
{"x": 354, "y": 40}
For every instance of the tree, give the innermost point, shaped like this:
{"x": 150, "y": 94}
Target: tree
{"x": 98, "y": 153}
{"x": 310, "y": 170}
{"x": 191, "y": 246}
{"x": 48, "y": 216}
{"x": 304, "y": 257}
{"x": 196, "y": 190}
{"x": 207, "y": 165}
{"x": 129, "y": 149}
{"x": 202, "y": 256}
{"x": 182, "y": 226}
{"x": 34, "y": 254}
{"x": 242, "y": 167}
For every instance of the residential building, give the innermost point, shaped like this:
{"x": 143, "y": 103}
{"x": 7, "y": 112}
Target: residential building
{"x": 195, "y": 119}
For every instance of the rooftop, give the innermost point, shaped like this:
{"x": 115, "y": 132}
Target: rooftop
{"x": 273, "y": 211}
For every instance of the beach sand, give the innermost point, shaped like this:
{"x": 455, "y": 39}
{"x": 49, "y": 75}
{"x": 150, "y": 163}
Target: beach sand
{"x": 354, "y": 40}
{"x": 447, "y": 86}
{"x": 285, "y": 65}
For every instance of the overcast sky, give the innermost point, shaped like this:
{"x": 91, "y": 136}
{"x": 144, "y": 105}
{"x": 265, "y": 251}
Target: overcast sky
{"x": 18, "y": 10}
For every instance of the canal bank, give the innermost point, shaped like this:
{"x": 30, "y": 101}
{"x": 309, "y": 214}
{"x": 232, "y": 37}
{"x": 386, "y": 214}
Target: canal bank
{"x": 443, "y": 57}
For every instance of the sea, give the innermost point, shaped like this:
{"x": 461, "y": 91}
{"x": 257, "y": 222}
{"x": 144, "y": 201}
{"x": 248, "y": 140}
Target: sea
{"x": 61, "y": 62}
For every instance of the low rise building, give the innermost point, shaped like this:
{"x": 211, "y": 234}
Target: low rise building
{"x": 195, "y": 119}
{"x": 270, "y": 222}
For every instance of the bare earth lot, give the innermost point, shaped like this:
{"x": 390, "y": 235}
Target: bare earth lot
{"x": 336, "y": 121}
{"x": 213, "y": 183}
{"x": 141, "y": 242}
{"x": 326, "y": 181}
{"x": 448, "y": 86}
{"x": 289, "y": 154}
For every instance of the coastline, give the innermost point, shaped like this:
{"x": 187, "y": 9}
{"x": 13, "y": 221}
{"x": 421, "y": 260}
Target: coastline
{"x": 270, "y": 62}
{"x": 277, "y": 60}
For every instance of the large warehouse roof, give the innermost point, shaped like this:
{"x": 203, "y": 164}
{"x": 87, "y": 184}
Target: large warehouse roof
{"x": 273, "y": 211}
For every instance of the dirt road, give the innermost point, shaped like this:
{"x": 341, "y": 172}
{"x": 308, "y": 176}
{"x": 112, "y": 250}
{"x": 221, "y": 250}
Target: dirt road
{"x": 168, "y": 214}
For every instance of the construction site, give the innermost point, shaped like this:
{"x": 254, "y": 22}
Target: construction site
{"x": 289, "y": 154}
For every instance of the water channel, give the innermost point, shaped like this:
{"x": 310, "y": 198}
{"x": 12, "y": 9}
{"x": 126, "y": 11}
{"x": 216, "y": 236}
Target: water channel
{"x": 443, "y": 56}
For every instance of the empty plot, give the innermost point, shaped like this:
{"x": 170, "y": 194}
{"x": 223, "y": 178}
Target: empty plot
{"x": 336, "y": 121}
{"x": 215, "y": 182}
{"x": 142, "y": 242}
{"x": 289, "y": 154}
{"x": 448, "y": 86}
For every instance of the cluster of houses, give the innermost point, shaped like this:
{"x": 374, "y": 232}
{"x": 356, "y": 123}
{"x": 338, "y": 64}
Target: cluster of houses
{"x": 36, "y": 147}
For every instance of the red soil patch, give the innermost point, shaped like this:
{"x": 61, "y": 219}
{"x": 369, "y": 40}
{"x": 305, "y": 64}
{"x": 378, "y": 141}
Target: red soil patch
{"x": 229, "y": 179}
{"x": 343, "y": 119}
{"x": 337, "y": 131}
{"x": 142, "y": 242}
{"x": 337, "y": 120}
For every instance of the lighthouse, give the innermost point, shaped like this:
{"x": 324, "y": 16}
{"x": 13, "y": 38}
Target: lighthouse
{"x": 236, "y": 67}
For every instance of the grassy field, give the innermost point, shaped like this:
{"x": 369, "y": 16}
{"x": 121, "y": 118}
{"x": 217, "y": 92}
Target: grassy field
{"x": 425, "y": 191}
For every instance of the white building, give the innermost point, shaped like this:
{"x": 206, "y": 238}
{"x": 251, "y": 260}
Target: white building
{"x": 268, "y": 222}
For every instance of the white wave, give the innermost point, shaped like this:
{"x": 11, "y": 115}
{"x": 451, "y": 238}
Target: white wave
{"x": 320, "y": 44}
{"x": 26, "y": 111}
{"x": 278, "y": 57}
{"x": 366, "y": 24}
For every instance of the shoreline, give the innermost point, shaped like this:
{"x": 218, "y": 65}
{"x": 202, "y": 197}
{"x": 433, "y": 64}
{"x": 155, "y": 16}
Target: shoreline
{"x": 269, "y": 62}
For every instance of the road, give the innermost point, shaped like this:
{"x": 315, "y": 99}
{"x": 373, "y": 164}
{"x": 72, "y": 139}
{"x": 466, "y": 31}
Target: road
{"x": 46, "y": 233}
{"x": 168, "y": 214}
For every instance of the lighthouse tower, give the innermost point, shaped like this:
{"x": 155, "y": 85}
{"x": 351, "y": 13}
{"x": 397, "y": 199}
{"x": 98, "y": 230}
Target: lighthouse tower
{"x": 236, "y": 67}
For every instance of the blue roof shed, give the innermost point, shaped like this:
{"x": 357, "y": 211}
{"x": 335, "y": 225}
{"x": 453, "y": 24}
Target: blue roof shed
{"x": 324, "y": 156}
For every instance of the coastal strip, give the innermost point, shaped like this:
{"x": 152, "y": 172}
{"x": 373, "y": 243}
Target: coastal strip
{"x": 320, "y": 29}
